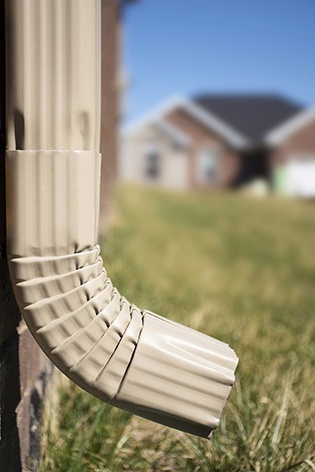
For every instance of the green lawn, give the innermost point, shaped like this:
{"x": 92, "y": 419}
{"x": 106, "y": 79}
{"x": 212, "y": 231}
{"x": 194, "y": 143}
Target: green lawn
{"x": 239, "y": 269}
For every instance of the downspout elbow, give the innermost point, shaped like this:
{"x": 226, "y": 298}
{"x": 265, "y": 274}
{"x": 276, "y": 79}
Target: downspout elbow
{"x": 129, "y": 357}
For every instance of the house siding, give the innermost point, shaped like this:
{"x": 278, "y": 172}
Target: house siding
{"x": 174, "y": 160}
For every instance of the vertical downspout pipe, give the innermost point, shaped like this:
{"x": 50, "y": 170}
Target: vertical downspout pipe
{"x": 126, "y": 356}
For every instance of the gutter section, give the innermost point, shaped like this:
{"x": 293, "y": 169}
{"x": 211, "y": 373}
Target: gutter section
{"x": 131, "y": 358}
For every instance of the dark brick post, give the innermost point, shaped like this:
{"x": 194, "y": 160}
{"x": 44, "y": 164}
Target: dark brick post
{"x": 109, "y": 105}
{"x": 9, "y": 315}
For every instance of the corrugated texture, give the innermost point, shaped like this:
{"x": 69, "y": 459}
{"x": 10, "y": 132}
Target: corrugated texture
{"x": 53, "y": 199}
{"x": 140, "y": 361}
{"x": 190, "y": 374}
{"x": 80, "y": 321}
{"x": 53, "y": 51}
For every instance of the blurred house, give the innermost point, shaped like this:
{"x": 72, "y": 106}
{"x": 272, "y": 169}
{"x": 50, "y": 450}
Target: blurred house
{"x": 292, "y": 155}
{"x": 220, "y": 141}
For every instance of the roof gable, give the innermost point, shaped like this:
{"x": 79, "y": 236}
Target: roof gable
{"x": 294, "y": 124}
{"x": 208, "y": 119}
{"x": 251, "y": 115}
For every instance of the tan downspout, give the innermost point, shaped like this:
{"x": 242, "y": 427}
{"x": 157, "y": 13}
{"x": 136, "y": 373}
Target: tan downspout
{"x": 126, "y": 356}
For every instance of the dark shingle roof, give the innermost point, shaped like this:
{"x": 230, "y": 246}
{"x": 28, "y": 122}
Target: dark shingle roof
{"x": 252, "y": 115}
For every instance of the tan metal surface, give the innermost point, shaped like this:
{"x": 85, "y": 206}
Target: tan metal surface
{"x": 53, "y": 72}
{"x": 129, "y": 357}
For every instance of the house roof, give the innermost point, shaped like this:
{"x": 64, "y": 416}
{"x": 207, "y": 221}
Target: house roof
{"x": 295, "y": 123}
{"x": 252, "y": 115}
{"x": 205, "y": 117}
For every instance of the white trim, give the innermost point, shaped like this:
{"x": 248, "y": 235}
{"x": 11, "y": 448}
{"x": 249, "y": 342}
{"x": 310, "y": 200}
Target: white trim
{"x": 215, "y": 124}
{"x": 175, "y": 134}
{"x": 208, "y": 119}
{"x": 157, "y": 114}
{"x": 281, "y": 132}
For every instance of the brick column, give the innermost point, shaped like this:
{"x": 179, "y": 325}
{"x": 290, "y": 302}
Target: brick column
{"x": 109, "y": 104}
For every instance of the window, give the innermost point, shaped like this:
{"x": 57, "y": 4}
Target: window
{"x": 152, "y": 161}
{"x": 208, "y": 165}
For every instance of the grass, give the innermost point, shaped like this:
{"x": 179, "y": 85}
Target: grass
{"x": 241, "y": 270}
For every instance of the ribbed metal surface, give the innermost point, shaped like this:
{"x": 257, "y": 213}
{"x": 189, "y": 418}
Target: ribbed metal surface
{"x": 142, "y": 362}
{"x": 190, "y": 374}
{"x": 133, "y": 359}
{"x": 53, "y": 199}
{"x": 80, "y": 320}
{"x": 53, "y": 52}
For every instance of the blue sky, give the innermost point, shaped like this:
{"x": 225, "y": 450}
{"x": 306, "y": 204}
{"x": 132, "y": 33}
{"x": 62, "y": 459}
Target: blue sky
{"x": 185, "y": 47}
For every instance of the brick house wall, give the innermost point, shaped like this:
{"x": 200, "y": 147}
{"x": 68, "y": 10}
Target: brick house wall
{"x": 10, "y": 460}
{"x": 179, "y": 162}
{"x": 299, "y": 143}
{"x": 202, "y": 137}
{"x": 110, "y": 105}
